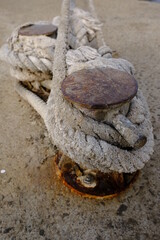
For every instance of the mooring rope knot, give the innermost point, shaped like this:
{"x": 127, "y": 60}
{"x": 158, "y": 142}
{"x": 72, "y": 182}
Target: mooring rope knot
{"x": 120, "y": 140}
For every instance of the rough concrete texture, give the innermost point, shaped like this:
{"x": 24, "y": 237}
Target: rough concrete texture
{"x": 33, "y": 202}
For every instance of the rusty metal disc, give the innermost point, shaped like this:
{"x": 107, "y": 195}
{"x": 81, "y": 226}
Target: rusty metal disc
{"x": 37, "y": 29}
{"x": 99, "y": 88}
{"x": 108, "y": 185}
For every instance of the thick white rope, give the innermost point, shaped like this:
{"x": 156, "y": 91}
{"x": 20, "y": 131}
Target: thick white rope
{"x": 87, "y": 58}
{"x": 38, "y": 104}
{"x": 104, "y": 49}
{"x": 78, "y": 135}
{"x": 34, "y": 54}
{"x": 31, "y": 57}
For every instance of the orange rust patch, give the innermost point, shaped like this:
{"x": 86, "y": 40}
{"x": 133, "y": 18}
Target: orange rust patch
{"x": 116, "y": 186}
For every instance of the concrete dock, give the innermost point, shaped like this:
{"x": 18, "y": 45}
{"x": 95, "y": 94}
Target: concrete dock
{"x": 34, "y": 204}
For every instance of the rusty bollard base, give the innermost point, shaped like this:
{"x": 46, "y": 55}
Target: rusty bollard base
{"x": 103, "y": 185}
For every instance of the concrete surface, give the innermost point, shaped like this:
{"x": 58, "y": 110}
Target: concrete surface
{"x": 34, "y": 204}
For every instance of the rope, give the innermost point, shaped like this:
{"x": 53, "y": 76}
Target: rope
{"x": 80, "y": 137}
{"x": 83, "y": 139}
{"x": 104, "y": 49}
{"x": 93, "y": 144}
{"x": 29, "y": 53}
{"x": 36, "y": 54}
{"x": 31, "y": 58}
{"x": 32, "y": 99}
{"x": 87, "y": 58}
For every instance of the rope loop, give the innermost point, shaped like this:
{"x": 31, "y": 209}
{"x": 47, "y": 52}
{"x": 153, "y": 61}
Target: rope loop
{"x": 78, "y": 45}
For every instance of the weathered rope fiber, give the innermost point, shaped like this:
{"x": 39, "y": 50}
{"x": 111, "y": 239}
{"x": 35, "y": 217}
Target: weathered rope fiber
{"x": 31, "y": 57}
{"x": 104, "y": 49}
{"x": 75, "y": 134}
{"x": 34, "y": 54}
{"x": 38, "y": 104}
{"x": 93, "y": 144}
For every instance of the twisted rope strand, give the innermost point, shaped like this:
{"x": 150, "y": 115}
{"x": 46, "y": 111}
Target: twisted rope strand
{"x": 38, "y": 104}
{"x": 74, "y": 133}
{"x": 80, "y": 137}
{"x": 104, "y": 49}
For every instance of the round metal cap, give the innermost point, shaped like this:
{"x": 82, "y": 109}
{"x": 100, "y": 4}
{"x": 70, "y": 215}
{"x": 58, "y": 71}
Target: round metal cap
{"x": 99, "y": 88}
{"x": 37, "y": 29}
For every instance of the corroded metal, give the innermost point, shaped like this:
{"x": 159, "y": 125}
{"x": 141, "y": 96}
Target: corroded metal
{"x": 104, "y": 94}
{"x": 38, "y": 29}
{"x": 99, "y": 88}
{"x": 92, "y": 183}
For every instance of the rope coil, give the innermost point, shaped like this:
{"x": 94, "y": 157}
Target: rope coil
{"x": 93, "y": 144}
{"x": 76, "y": 134}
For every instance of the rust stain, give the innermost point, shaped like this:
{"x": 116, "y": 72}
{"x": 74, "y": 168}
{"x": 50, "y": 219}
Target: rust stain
{"x": 99, "y": 88}
{"x": 49, "y": 178}
{"x": 37, "y": 29}
{"x": 44, "y": 178}
{"x": 115, "y": 54}
{"x": 117, "y": 180}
